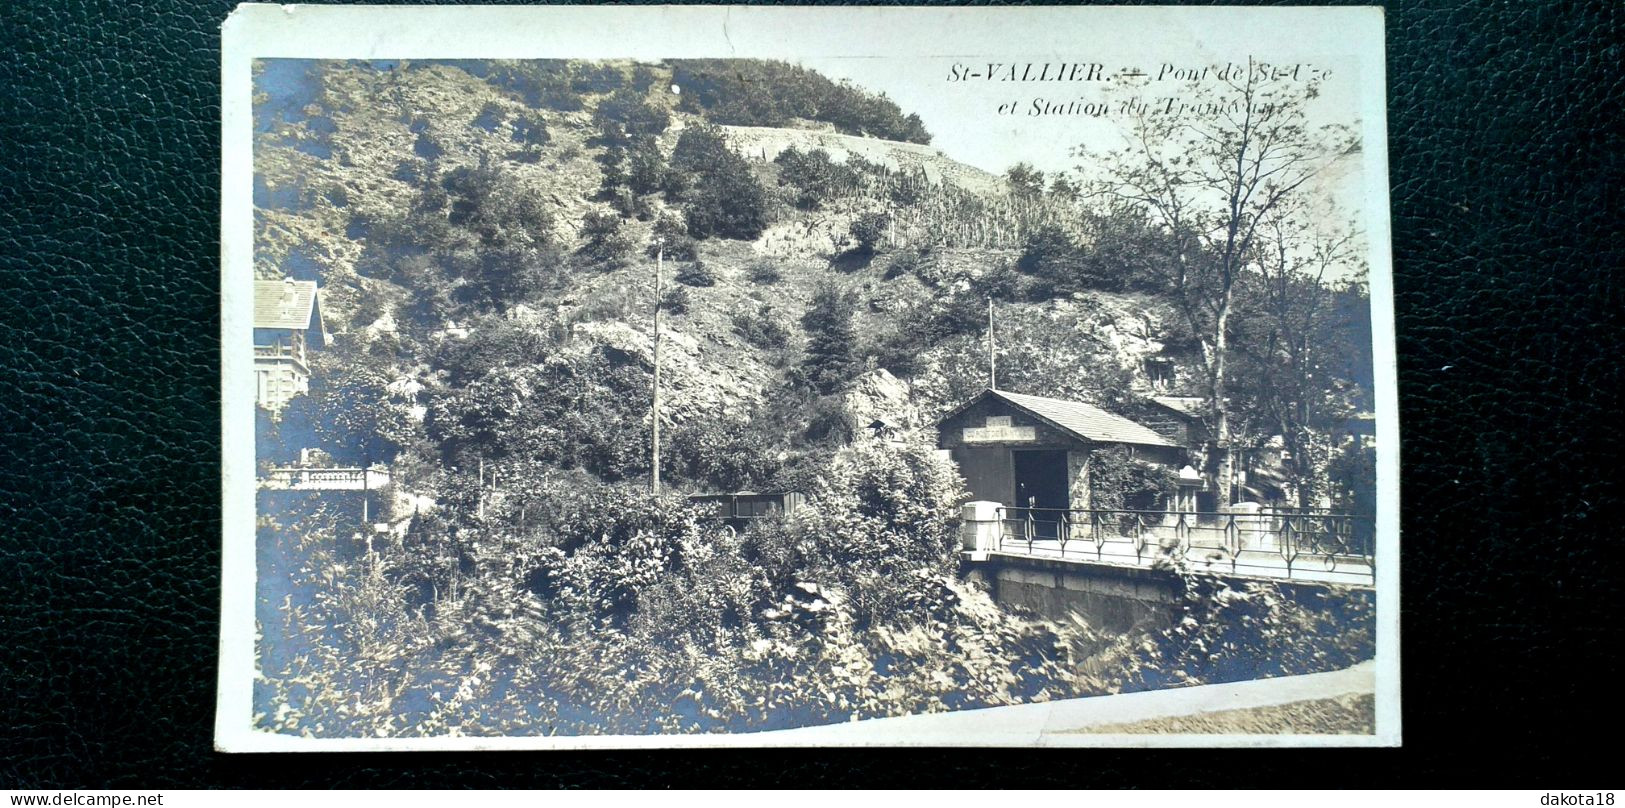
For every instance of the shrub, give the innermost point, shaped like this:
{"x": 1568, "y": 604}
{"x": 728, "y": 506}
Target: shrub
{"x": 642, "y": 78}
{"x": 1051, "y": 253}
{"x": 904, "y": 262}
{"x": 539, "y": 82}
{"x": 868, "y": 229}
{"x": 1024, "y": 180}
{"x": 1118, "y": 481}
{"x": 764, "y": 272}
{"x": 814, "y": 178}
{"x": 673, "y": 234}
{"x": 595, "y": 78}
{"x": 675, "y": 300}
{"x": 607, "y": 246}
{"x": 1228, "y": 633}
{"x": 762, "y": 328}
{"x": 490, "y": 117}
{"x": 645, "y": 166}
{"x": 530, "y": 132}
{"x": 767, "y": 93}
{"x": 696, "y": 274}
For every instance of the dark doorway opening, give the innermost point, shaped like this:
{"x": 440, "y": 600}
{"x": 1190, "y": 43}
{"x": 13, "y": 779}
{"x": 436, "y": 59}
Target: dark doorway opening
{"x": 1041, "y": 495}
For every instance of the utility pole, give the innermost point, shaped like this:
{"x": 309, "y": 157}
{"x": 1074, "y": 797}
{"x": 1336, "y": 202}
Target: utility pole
{"x": 654, "y": 409}
{"x": 992, "y": 361}
{"x": 654, "y": 418}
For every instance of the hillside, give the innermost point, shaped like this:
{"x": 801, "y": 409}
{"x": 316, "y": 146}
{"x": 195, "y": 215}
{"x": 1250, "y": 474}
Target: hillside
{"x": 494, "y": 240}
{"x": 347, "y": 151}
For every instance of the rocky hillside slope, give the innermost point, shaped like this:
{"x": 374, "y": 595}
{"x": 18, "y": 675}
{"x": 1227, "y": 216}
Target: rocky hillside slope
{"x": 341, "y": 146}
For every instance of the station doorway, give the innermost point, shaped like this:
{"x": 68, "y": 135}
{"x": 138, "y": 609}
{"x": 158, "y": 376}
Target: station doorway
{"x": 1041, "y": 478}
{"x": 1041, "y": 491}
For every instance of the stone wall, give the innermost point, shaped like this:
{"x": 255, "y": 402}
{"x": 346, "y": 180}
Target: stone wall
{"x": 1108, "y": 599}
{"x": 765, "y": 143}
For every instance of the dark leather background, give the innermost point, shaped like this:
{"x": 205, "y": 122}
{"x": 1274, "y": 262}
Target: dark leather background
{"x": 1506, "y": 160}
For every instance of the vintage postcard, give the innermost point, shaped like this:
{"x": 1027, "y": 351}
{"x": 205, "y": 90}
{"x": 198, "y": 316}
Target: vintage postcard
{"x": 755, "y": 376}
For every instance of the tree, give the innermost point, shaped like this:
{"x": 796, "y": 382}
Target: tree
{"x": 1293, "y": 332}
{"x": 831, "y": 358}
{"x": 606, "y": 245}
{"x": 814, "y": 177}
{"x": 671, "y": 235}
{"x": 1212, "y": 177}
{"x": 627, "y": 114}
{"x": 1052, "y": 254}
{"x": 1025, "y": 180}
{"x": 1064, "y": 189}
{"x": 723, "y": 199}
{"x": 350, "y": 412}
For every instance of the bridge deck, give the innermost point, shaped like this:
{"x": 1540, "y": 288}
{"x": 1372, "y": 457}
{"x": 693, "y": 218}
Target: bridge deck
{"x": 1262, "y": 564}
{"x": 326, "y": 479}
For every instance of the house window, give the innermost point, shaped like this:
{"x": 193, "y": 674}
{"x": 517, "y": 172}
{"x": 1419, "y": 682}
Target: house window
{"x": 1160, "y": 372}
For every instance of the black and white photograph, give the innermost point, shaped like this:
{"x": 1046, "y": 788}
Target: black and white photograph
{"x": 718, "y": 376}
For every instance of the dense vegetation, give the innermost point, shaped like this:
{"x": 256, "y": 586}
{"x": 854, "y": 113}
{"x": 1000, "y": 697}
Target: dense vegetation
{"x": 765, "y": 93}
{"x": 490, "y": 266}
{"x": 550, "y": 603}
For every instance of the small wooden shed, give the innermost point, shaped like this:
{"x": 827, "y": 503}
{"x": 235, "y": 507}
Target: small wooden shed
{"x": 1032, "y": 451}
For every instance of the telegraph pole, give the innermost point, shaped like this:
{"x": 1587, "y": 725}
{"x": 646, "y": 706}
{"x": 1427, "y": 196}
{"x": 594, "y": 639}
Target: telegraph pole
{"x": 992, "y": 362}
{"x": 654, "y": 409}
{"x": 654, "y": 419}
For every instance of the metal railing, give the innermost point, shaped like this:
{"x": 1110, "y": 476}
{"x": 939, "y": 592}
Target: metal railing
{"x": 279, "y": 351}
{"x": 328, "y": 479}
{"x": 1270, "y": 542}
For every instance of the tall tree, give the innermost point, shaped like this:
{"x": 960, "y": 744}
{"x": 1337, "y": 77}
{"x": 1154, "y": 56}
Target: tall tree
{"x": 1292, "y": 333}
{"x": 1212, "y": 172}
{"x": 722, "y": 197}
{"x": 831, "y": 359}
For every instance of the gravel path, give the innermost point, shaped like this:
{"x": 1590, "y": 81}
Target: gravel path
{"x": 1353, "y": 714}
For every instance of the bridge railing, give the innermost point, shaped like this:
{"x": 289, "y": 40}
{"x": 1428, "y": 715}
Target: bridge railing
{"x": 327, "y": 479}
{"x": 1271, "y": 542}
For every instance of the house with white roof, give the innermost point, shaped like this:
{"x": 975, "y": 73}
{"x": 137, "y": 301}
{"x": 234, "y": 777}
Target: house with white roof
{"x": 287, "y": 326}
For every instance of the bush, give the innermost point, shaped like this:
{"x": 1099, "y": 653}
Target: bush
{"x": 1024, "y": 180}
{"x": 491, "y": 116}
{"x": 608, "y": 610}
{"x": 762, "y": 328}
{"x": 530, "y": 132}
{"x": 675, "y": 300}
{"x": 814, "y": 178}
{"x": 673, "y": 234}
{"x": 696, "y": 274}
{"x": 1230, "y": 633}
{"x": 764, "y": 272}
{"x": 904, "y": 262}
{"x": 591, "y": 78}
{"x": 539, "y": 82}
{"x": 722, "y": 454}
{"x": 1118, "y": 481}
{"x": 607, "y": 246}
{"x": 752, "y": 92}
{"x": 1053, "y": 254}
{"x": 868, "y": 229}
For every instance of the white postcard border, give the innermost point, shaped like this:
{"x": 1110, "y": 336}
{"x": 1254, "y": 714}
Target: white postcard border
{"x": 379, "y": 32}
